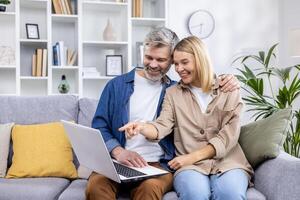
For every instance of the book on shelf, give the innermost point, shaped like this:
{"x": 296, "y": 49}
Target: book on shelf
{"x": 33, "y": 67}
{"x": 57, "y": 6}
{"x": 39, "y": 62}
{"x": 63, "y": 7}
{"x": 63, "y": 56}
{"x": 137, "y": 8}
{"x": 44, "y": 65}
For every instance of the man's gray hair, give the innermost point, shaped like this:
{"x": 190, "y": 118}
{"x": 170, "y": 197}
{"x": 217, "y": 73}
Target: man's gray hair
{"x": 160, "y": 37}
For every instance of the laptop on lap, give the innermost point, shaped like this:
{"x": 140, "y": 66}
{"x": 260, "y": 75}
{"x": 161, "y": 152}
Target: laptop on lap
{"x": 91, "y": 152}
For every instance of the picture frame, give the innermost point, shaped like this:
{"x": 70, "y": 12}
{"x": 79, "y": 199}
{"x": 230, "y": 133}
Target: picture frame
{"x": 32, "y": 31}
{"x": 114, "y": 65}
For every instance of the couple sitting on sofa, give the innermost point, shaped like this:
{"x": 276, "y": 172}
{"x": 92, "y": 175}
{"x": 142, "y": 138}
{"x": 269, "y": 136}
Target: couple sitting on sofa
{"x": 202, "y": 111}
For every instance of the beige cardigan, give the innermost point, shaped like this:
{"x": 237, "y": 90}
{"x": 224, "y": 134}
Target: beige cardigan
{"x": 219, "y": 126}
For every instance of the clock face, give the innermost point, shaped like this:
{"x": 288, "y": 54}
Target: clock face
{"x": 201, "y": 24}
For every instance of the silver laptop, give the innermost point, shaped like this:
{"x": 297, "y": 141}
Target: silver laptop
{"x": 91, "y": 152}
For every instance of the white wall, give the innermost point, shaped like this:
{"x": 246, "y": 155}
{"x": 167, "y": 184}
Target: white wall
{"x": 240, "y": 26}
{"x": 289, "y": 19}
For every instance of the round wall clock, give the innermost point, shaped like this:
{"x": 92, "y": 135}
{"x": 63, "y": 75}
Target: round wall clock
{"x": 201, "y": 24}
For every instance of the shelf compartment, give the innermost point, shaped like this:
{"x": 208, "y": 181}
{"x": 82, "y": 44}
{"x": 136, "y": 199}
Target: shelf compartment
{"x": 8, "y": 31}
{"x": 71, "y": 77}
{"x": 7, "y": 81}
{"x": 27, "y": 50}
{"x": 153, "y": 8}
{"x": 34, "y": 86}
{"x": 95, "y": 18}
{"x": 68, "y": 33}
{"x": 95, "y": 56}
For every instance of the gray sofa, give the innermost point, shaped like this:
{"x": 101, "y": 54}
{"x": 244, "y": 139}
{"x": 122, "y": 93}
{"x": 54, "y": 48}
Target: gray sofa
{"x": 275, "y": 179}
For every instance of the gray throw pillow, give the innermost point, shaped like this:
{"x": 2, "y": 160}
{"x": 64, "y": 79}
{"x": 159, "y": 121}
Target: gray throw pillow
{"x": 263, "y": 139}
{"x": 5, "y": 132}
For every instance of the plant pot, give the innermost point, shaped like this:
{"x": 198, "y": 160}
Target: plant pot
{"x": 2, "y": 8}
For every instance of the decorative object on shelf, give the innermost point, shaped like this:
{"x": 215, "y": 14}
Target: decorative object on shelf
{"x": 7, "y": 56}
{"x": 114, "y": 65}
{"x": 64, "y": 86}
{"x": 109, "y": 33}
{"x": 3, "y": 4}
{"x": 201, "y": 24}
{"x": 32, "y": 31}
{"x": 90, "y": 72}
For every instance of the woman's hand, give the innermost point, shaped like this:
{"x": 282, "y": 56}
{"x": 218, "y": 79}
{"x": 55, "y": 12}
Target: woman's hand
{"x": 181, "y": 161}
{"x": 131, "y": 129}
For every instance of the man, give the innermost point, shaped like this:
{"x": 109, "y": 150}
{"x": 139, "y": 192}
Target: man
{"x": 138, "y": 95}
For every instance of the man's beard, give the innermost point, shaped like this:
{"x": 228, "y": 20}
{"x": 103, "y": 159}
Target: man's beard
{"x": 153, "y": 78}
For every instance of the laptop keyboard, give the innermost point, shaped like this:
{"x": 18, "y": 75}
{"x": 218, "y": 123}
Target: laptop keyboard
{"x": 126, "y": 171}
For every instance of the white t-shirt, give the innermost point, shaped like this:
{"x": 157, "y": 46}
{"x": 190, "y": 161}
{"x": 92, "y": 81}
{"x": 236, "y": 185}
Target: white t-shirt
{"x": 203, "y": 99}
{"x": 143, "y": 106}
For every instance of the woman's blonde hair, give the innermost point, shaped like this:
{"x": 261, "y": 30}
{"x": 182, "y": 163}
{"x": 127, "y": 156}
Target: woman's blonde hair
{"x": 203, "y": 69}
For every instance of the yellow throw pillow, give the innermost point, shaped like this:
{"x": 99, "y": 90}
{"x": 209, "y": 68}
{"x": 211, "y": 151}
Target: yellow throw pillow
{"x": 41, "y": 150}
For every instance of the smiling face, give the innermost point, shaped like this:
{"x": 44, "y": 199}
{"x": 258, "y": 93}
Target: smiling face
{"x": 193, "y": 64}
{"x": 157, "y": 61}
{"x": 185, "y": 67}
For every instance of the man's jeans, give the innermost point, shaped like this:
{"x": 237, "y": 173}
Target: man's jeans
{"x": 193, "y": 185}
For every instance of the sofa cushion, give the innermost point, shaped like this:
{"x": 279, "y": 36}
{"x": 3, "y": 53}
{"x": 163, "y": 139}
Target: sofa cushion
{"x": 41, "y": 150}
{"x": 32, "y": 188}
{"x": 254, "y": 194}
{"x": 87, "y": 109}
{"x": 75, "y": 191}
{"x": 263, "y": 139}
{"x": 39, "y": 109}
{"x": 5, "y": 130}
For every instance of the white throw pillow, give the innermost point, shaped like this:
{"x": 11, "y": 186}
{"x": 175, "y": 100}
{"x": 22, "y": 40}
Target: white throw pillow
{"x": 5, "y": 132}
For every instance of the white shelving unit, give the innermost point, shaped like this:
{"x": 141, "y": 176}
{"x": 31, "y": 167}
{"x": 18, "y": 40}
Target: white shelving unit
{"x": 81, "y": 31}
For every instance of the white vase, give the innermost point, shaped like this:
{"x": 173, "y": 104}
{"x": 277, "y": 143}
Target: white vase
{"x": 109, "y": 33}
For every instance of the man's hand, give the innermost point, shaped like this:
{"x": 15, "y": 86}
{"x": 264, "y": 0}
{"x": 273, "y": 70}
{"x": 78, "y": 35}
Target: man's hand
{"x": 181, "y": 161}
{"x": 229, "y": 83}
{"x": 129, "y": 158}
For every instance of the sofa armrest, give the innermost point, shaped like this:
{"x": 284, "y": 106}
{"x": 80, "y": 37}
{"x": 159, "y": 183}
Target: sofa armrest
{"x": 277, "y": 178}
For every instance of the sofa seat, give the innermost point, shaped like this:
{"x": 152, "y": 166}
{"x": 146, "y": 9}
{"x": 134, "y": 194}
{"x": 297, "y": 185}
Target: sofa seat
{"x": 76, "y": 191}
{"x": 32, "y": 188}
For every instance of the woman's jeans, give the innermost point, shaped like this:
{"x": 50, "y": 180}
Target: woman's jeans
{"x": 193, "y": 185}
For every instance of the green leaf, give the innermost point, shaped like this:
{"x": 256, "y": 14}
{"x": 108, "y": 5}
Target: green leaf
{"x": 270, "y": 53}
{"x": 262, "y": 55}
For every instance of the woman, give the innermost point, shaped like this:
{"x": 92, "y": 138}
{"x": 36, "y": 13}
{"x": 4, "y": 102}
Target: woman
{"x": 210, "y": 163}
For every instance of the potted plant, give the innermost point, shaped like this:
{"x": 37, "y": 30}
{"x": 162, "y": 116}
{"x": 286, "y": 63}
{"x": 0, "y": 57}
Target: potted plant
{"x": 258, "y": 77}
{"x": 3, "y": 4}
